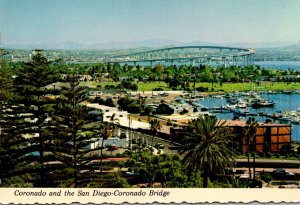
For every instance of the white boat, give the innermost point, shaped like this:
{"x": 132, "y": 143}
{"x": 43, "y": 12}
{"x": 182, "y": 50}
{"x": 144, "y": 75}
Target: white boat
{"x": 219, "y": 96}
{"x": 241, "y": 104}
{"x": 231, "y": 107}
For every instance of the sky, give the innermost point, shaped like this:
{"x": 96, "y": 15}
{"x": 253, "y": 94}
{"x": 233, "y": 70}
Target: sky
{"x": 102, "y": 21}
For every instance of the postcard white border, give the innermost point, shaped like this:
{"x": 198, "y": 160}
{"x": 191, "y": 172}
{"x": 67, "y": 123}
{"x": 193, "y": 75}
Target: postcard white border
{"x": 176, "y": 195}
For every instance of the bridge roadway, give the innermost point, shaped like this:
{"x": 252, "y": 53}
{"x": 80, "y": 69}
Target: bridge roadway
{"x": 250, "y": 51}
{"x": 243, "y": 55}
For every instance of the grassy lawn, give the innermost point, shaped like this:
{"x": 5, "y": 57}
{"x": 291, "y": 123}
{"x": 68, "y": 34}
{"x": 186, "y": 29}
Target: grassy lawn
{"x": 150, "y": 86}
{"x": 227, "y": 87}
{"x": 141, "y": 85}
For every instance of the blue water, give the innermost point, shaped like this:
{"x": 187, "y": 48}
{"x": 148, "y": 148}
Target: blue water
{"x": 283, "y": 102}
{"x": 264, "y": 64}
{"x": 279, "y": 64}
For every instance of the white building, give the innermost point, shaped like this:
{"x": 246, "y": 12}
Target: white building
{"x": 112, "y": 141}
{"x": 113, "y": 115}
{"x": 7, "y": 57}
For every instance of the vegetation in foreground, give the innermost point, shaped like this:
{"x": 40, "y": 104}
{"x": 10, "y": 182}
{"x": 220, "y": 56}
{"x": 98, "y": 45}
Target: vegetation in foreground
{"x": 45, "y": 133}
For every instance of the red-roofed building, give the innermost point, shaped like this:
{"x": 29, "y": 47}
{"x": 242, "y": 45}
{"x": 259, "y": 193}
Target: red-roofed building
{"x": 269, "y": 137}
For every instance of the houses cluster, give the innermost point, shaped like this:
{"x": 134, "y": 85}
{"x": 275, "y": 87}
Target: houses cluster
{"x": 269, "y": 137}
{"x": 84, "y": 77}
{"x": 122, "y": 119}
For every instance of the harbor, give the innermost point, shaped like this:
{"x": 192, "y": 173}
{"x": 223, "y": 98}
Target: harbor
{"x": 278, "y": 107}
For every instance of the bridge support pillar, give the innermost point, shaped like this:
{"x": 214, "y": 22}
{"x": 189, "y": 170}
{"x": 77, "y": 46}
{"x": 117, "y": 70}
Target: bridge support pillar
{"x": 248, "y": 60}
{"x": 209, "y": 61}
{"x": 134, "y": 63}
{"x": 192, "y": 62}
{"x": 223, "y": 61}
{"x": 151, "y": 64}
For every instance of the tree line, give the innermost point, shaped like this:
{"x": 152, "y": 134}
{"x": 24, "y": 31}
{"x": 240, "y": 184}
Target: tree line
{"x": 177, "y": 77}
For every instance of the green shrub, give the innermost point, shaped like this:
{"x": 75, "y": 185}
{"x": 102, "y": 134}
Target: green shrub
{"x": 265, "y": 177}
{"x": 202, "y": 89}
{"x": 158, "y": 89}
{"x": 261, "y": 154}
{"x": 268, "y": 155}
{"x": 277, "y": 155}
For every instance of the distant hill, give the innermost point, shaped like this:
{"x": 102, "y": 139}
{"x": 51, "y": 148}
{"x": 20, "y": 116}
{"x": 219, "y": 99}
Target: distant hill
{"x": 155, "y": 43}
{"x": 152, "y": 43}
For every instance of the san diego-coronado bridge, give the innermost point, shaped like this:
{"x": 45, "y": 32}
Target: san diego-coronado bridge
{"x": 189, "y": 54}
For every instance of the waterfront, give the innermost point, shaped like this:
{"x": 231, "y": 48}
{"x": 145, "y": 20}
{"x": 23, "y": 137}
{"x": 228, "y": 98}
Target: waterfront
{"x": 283, "y": 103}
{"x": 279, "y": 64}
{"x": 284, "y": 65}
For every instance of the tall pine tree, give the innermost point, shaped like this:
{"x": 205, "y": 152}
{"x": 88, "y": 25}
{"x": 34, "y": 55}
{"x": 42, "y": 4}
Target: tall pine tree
{"x": 5, "y": 95}
{"x": 33, "y": 97}
{"x": 13, "y": 162}
{"x": 72, "y": 135}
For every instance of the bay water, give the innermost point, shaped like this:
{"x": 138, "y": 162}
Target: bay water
{"x": 283, "y": 103}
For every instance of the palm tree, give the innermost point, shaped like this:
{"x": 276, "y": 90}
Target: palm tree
{"x": 249, "y": 136}
{"x": 155, "y": 126}
{"x": 108, "y": 129}
{"x": 106, "y": 132}
{"x": 205, "y": 146}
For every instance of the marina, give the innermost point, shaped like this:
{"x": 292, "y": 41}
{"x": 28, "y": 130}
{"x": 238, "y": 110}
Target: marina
{"x": 277, "y": 107}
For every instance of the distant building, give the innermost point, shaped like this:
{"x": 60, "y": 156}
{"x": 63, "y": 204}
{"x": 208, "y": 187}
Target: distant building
{"x": 122, "y": 118}
{"x": 112, "y": 141}
{"x": 123, "y": 78}
{"x": 110, "y": 114}
{"x": 7, "y": 57}
{"x": 82, "y": 78}
{"x": 269, "y": 137}
{"x": 85, "y": 78}
{"x": 95, "y": 93}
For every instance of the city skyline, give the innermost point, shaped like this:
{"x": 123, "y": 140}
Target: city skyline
{"x": 102, "y": 21}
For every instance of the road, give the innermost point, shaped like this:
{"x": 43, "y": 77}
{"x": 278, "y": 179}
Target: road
{"x": 147, "y": 139}
{"x": 270, "y": 163}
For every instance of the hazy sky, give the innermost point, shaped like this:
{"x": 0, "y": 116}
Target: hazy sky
{"x": 101, "y": 21}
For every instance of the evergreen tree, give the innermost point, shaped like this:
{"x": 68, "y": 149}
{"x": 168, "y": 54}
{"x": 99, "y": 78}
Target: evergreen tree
{"x": 5, "y": 82}
{"x": 71, "y": 135}
{"x": 33, "y": 103}
{"x": 5, "y": 95}
{"x": 12, "y": 159}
